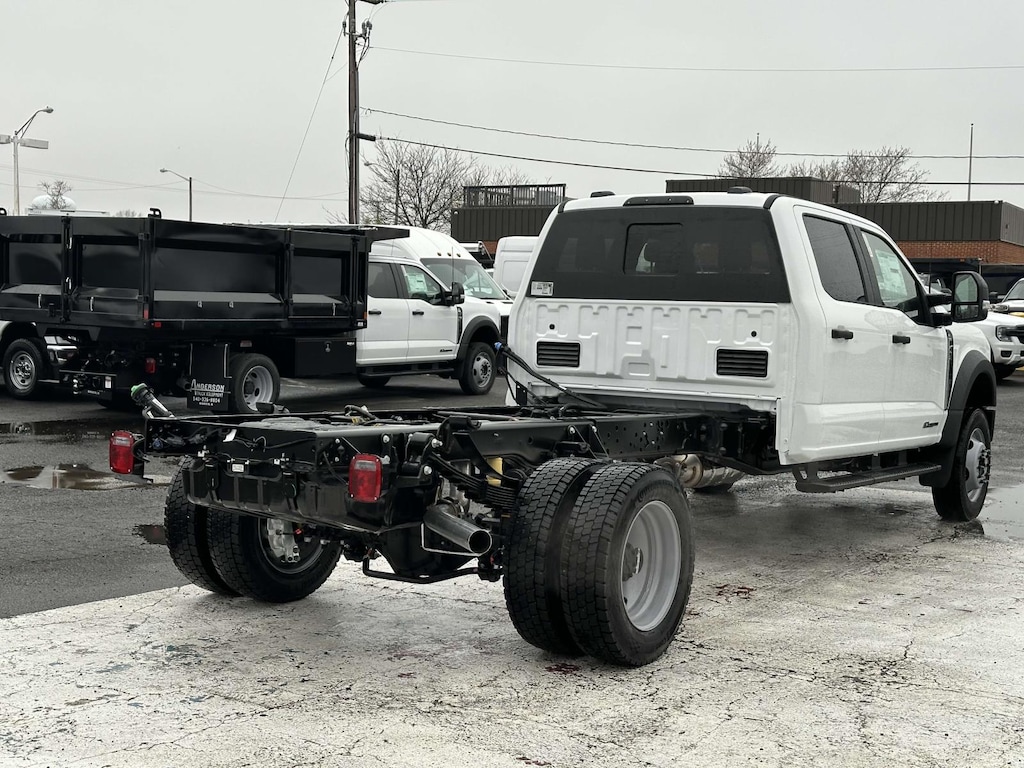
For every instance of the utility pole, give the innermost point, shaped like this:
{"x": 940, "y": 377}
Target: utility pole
{"x": 353, "y": 106}
{"x": 970, "y": 163}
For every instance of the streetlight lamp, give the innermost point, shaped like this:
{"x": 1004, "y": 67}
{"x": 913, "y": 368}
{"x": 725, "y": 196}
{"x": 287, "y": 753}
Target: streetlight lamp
{"x": 183, "y": 178}
{"x": 18, "y": 139}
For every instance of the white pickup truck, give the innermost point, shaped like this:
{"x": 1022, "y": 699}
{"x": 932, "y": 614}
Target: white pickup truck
{"x": 659, "y": 342}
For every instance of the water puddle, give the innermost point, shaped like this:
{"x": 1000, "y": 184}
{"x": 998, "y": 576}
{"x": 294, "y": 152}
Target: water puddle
{"x": 151, "y": 533}
{"x": 67, "y": 431}
{"x": 80, "y": 477}
{"x": 1003, "y": 514}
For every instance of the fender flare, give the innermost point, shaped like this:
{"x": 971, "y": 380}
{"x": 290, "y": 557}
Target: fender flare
{"x": 976, "y": 373}
{"x": 474, "y": 325}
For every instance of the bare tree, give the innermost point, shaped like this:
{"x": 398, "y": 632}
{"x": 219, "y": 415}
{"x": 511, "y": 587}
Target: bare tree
{"x": 414, "y": 185}
{"x": 127, "y": 213}
{"x": 754, "y": 160}
{"x": 56, "y": 190}
{"x": 886, "y": 175}
{"x": 482, "y": 176}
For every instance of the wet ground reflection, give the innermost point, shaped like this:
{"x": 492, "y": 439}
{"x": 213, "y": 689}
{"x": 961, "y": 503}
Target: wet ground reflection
{"x": 79, "y": 477}
{"x": 1003, "y": 513}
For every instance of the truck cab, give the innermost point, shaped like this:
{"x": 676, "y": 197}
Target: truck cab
{"x": 722, "y": 301}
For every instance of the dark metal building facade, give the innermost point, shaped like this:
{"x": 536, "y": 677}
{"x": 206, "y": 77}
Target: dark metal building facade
{"x": 949, "y": 221}
{"x": 808, "y": 188}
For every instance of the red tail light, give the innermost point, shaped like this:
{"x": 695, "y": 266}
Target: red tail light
{"x": 122, "y": 452}
{"x": 150, "y": 365}
{"x": 364, "y": 477}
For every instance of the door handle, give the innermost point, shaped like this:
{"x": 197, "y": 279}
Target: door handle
{"x": 840, "y": 333}
{"x": 417, "y": 312}
{"x": 899, "y": 338}
{"x": 374, "y": 312}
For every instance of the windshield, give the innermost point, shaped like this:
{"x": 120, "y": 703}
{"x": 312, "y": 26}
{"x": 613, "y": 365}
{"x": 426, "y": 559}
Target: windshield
{"x": 474, "y": 279}
{"x": 1017, "y": 292}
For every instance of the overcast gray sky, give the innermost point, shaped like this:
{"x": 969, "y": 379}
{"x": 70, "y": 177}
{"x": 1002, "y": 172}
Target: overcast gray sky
{"x": 222, "y": 90}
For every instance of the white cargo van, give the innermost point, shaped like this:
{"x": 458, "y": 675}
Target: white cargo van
{"x": 510, "y": 260}
{"x": 449, "y": 262}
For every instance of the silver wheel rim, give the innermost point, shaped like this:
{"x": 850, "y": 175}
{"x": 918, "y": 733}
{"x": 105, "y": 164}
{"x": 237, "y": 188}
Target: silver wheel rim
{"x": 257, "y": 386}
{"x": 652, "y": 559}
{"x": 284, "y": 551}
{"x": 21, "y": 373}
{"x": 976, "y": 465}
{"x": 482, "y": 370}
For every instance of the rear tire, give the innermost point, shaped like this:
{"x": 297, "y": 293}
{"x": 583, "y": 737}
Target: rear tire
{"x": 962, "y": 498}
{"x": 246, "y": 552}
{"x": 373, "y": 382}
{"x": 185, "y": 526}
{"x": 533, "y": 552}
{"x": 627, "y": 564}
{"x": 478, "y": 369}
{"x": 23, "y": 368}
{"x": 254, "y": 379}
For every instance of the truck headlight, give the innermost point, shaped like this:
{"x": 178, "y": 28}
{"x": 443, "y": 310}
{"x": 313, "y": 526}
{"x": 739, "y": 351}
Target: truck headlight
{"x": 1001, "y": 332}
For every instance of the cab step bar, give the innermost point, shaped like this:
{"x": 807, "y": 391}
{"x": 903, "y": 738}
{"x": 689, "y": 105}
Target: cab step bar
{"x": 810, "y": 482}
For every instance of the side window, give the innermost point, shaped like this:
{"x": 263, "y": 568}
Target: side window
{"x": 420, "y": 285}
{"x": 836, "y": 259}
{"x": 381, "y": 282}
{"x": 896, "y": 283}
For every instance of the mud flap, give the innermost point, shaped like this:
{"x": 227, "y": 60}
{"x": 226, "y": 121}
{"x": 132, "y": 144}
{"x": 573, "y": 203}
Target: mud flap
{"x": 208, "y": 377}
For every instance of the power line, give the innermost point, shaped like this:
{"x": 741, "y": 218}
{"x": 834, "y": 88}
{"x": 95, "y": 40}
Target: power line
{"x": 678, "y": 173}
{"x": 635, "y": 145}
{"x": 298, "y": 154}
{"x": 750, "y": 70}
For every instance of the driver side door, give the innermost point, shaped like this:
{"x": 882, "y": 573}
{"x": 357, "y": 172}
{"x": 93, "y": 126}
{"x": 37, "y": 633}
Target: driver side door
{"x": 434, "y": 327}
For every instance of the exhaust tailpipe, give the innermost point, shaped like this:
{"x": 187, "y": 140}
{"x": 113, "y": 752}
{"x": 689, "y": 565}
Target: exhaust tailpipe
{"x": 459, "y": 531}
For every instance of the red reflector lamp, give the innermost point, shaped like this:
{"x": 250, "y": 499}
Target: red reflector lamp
{"x": 364, "y": 477}
{"x": 150, "y": 365}
{"x": 122, "y": 452}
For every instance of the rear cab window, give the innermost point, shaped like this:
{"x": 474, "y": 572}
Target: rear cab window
{"x": 661, "y": 252}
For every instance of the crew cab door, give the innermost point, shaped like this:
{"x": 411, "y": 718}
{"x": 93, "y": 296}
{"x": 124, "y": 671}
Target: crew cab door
{"x": 434, "y": 326}
{"x": 845, "y": 415}
{"x": 385, "y": 339}
{"x": 915, "y": 386}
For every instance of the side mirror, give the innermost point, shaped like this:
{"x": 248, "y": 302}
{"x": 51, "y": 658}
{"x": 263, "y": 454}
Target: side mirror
{"x": 457, "y": 295}
{"x": 970, "y": 292}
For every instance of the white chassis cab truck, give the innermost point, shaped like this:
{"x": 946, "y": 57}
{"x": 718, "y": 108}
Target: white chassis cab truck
{"x": 659, "y": 342}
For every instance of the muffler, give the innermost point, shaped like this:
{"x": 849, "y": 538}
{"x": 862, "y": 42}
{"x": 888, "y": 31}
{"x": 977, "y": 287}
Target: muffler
{"x": 442, "y": 520}
{"x": 693, "y": 472}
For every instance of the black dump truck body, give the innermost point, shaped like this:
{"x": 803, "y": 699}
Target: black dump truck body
{"x": 143, "y": 296}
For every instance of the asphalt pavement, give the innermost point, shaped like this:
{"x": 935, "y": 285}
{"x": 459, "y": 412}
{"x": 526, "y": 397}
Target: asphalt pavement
{"x": 848, "y": 629}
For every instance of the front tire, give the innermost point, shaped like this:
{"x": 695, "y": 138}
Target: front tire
{"x": 627, "y": 564}
{"x": 962, "y": 498}
{"x": 23, "y": 368}
{"x": 266, "y": 560}
{"x": 478, "y": 369}
{"x": 185, "y": 526}
{"x": 254, "y": 380}
{"x": 373, "y": 382}
{"x": 1004, "y": 371}
{"x": 532, "y": 555}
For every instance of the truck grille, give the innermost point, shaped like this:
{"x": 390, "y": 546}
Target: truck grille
{"x": 742, "y": 362}
{"x": 558, "y": 354}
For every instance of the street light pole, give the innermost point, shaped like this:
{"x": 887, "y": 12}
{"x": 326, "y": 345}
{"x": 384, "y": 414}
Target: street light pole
{"x": 183, "y": 178}
{"x": 16, "y": 140}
